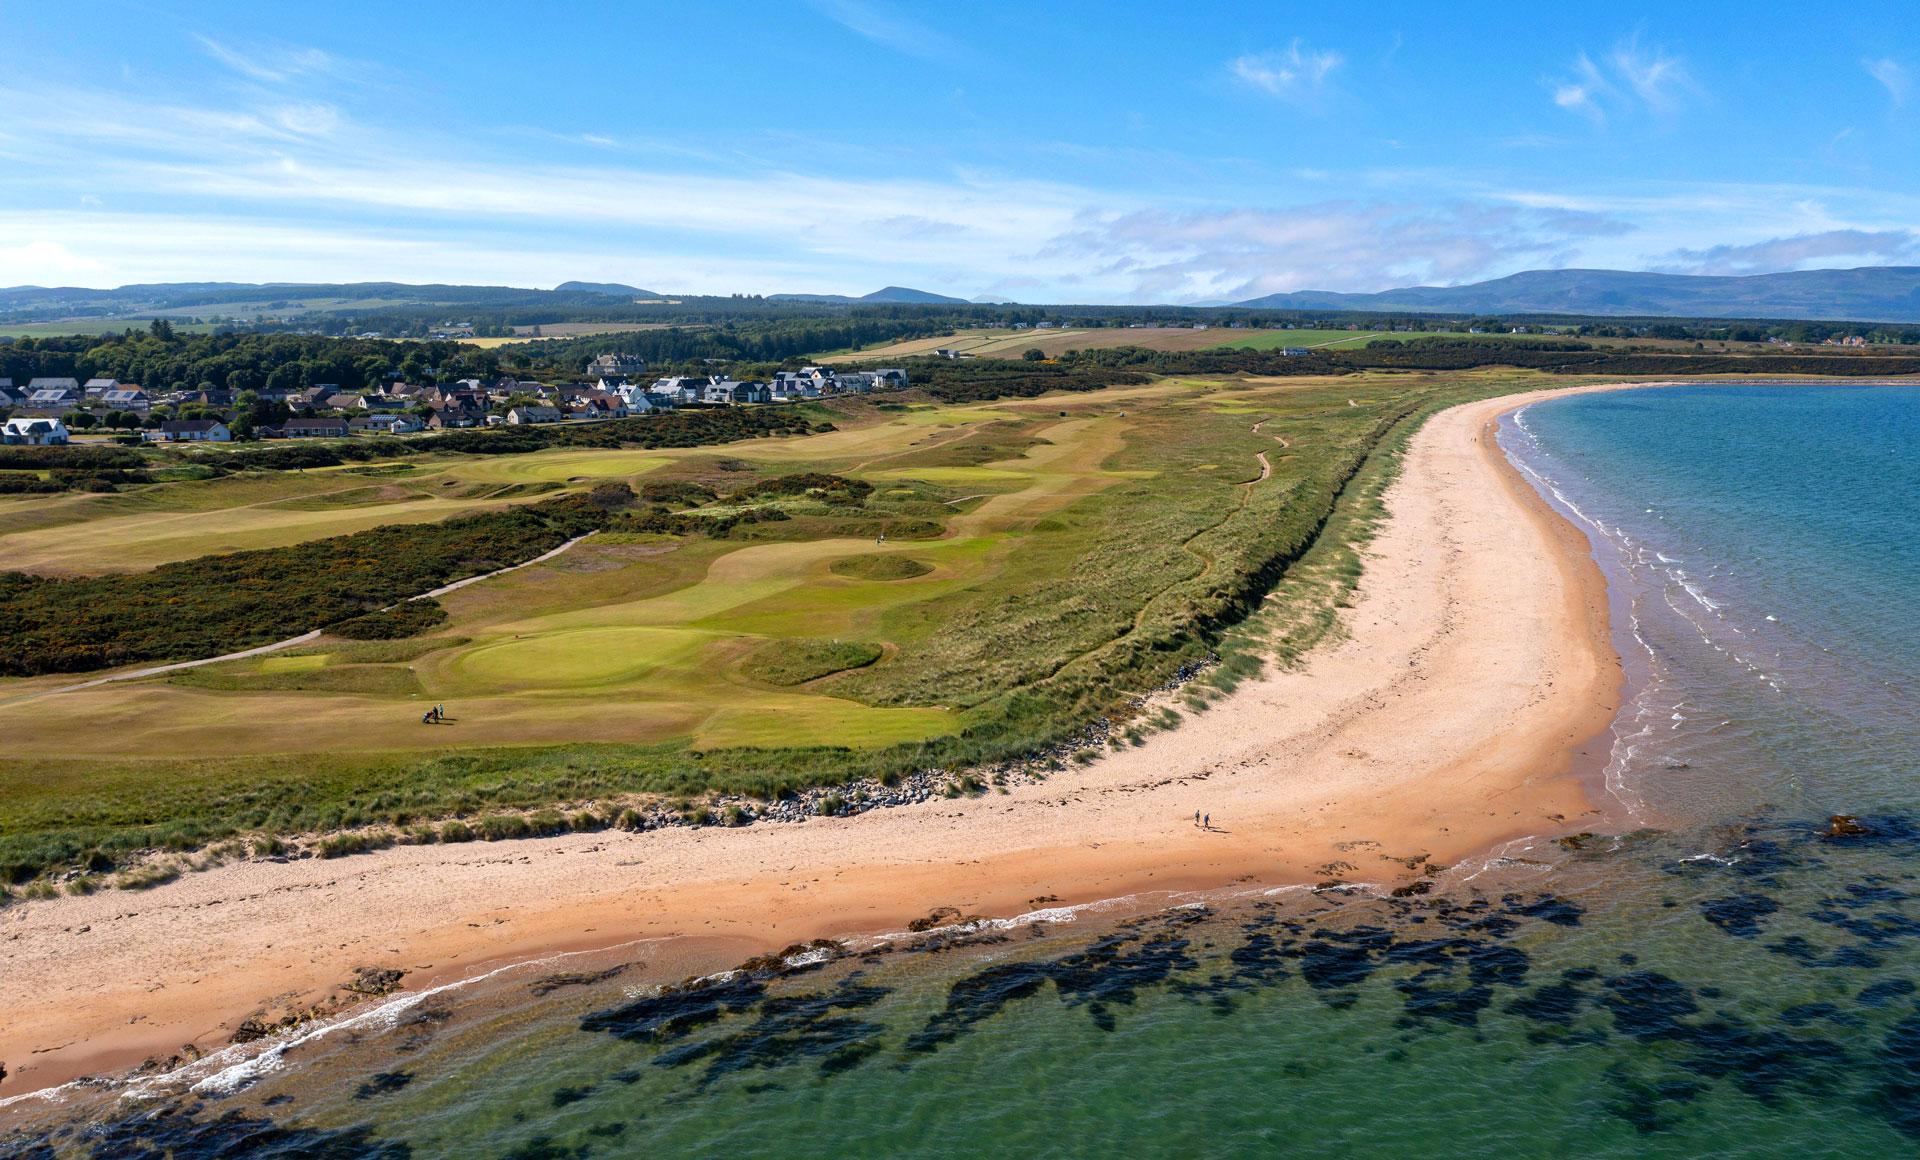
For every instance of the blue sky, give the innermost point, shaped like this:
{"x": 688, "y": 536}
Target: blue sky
{"x": 1097, "y": 152}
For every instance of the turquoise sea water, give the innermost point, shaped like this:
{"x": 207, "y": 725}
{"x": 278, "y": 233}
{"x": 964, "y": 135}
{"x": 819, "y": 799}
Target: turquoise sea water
{"x": 1735, "y": 975}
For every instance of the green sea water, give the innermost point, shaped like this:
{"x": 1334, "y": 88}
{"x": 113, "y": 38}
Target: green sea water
{"x": 1732, "y": 974}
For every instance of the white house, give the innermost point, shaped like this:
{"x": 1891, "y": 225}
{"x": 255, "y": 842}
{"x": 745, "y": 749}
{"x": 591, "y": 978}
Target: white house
{"x": 386, "y": 424}
{"x": 127, "y": 399}
{"x": 190, "y": 431}
{"x": 34, "y": 432}
{"x": 522, "y": 416}
{"x": 96, "y": 388}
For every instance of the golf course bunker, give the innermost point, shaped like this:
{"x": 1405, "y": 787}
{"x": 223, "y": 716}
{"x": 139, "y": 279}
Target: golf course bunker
{"x": 880, "y": 566}
{"x": 587, "y": 656}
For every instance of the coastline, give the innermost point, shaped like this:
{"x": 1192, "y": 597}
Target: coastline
{"x": 1449, "y": 721}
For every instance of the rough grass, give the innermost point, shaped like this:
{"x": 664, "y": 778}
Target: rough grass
{"x": 795, "y": 662}
{"x": 880, "y": 566}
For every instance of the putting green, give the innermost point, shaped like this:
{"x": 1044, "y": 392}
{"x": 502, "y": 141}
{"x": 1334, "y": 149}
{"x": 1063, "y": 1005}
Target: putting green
{"x": 558, "y": 660}
{"x": 556, "y": 466}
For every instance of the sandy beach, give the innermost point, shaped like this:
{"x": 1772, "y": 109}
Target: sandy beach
{"x": 1448, "y": 719}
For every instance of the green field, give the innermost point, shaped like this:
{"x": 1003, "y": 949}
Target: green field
{"x": 93, "y": 326}
{"x": 1316, "y": 339}
{"x": 1018, "y": 569}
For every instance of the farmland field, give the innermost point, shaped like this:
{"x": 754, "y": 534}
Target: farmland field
{"x": 1011, "y": 343}
{"x": 993, "y": 574}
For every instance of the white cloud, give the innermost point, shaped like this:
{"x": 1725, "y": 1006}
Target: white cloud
{"x": 1296, "y": 74}
{"x": 1890, "y": 73}
{"x": 272, "y": 63}
{"x": 1341, "y": 245}
{"x": 43, "y": 263}
{"x": 1804, "y": 251}
{"x": 1633, "y": 79}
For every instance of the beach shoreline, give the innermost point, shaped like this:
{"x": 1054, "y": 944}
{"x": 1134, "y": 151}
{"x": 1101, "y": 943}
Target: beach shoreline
{"x": 1447, "y": 722}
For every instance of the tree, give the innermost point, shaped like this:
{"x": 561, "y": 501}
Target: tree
{"x": 1033, "y": 354}
{"x": 162, "y": 330}
{"x": 79, "y": 420}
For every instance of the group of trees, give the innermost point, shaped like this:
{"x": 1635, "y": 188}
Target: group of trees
{"x": 160, "y": 359}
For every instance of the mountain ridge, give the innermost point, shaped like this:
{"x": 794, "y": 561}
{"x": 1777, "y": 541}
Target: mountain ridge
{"x": 1864, "y": 294}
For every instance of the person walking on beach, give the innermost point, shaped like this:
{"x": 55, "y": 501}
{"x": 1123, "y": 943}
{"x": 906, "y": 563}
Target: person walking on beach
{"x": 1196, "y": 817}
{"x": 1208, "y": 824}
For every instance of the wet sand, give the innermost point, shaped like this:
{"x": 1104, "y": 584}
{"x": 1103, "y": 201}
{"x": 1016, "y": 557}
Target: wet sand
{"x": 1447, "y": 720}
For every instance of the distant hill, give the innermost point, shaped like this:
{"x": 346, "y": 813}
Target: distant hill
{"x": 615, "y": 288}
{"x": 1866, "y": 294}
{"x": 888, "y": 294}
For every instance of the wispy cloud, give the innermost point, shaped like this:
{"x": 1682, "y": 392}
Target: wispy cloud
{"x": 271, "y": 63}
{"x": 1631, "y": 78}
{"x": 1803, "y": 251}
{"x": 1338, "y": 245}
{"x": 883, "y": 25}
{"x": 1892, "y": 75}
{"x": 1296, "y": 74}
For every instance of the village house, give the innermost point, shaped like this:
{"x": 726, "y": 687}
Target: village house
{"x": 321, "y": 427}
{"x": 601, "y": 407}
{"x": 97, "y": 388}
{"x": 10, "y": 395}
{"x": 49, "y": 393}
{"x": 524, "y": 415}
{"x": 126, "y": 398}
{"x": 617, "y": 365}
{"x": 385, "y": 424}
{"x": 189, "y": 431}
{"x": 681, "y": 389}
{"x": 450, "y": 416}
{"x": 34, "y": 432}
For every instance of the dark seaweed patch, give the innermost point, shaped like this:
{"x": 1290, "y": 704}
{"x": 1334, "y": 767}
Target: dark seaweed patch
{"x": 572, "y": 1095}
{"x": 1106, "y": 972}
{"x": 1880, "y": 929}
{"x": 676, "y": 1011}
{"x": 1876, "y": 994}
{"x": 384, "y": 1083}
{"x": 1648, "y": 1005}
{"x": 543, "y": 1148}
{"x": 176, "y": 1131}
{"x": 1557, "y": 1003}
{"x": 790, "y": 1028}
{"x": 1740, "y": 914}
{"x": 1897, "y": 1096}
{"x": 1558, "y": 911}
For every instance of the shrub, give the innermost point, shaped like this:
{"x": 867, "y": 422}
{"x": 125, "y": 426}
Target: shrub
{"x": 147, "y": 877}
{"x": 585, "y": 822}
{"x": 267, "y": 846}
{"x": 830, "y": 805}
{"x": 631, "y": 819}
{"x": 546, "y": 822}
{"x": 340, "y": 845}
{"x": 497, "y": 827}
{"x": 735, "y": 816}
{"x": 408, "y": 618}
{"x": 700, "y": 816}
{"x": 456, "y": 831}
